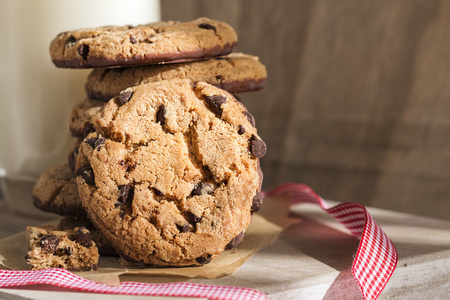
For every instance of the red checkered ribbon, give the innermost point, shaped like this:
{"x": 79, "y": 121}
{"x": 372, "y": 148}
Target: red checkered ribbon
{"x": 376, "y": 257}
{"x": 66, "y": 279}
{"x": 374, "y": 262}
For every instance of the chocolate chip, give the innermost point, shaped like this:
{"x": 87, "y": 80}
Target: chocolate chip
{"x": 86, "y": 173}
{"x": 83, "y": 237}
{"x": 95, "y": 142}
{"x": 241, "y": 130}
{"x": 128, "y": 164}
{"x": 191, "y": 218}
{"x": 250, "y": 118}
{"x": 204, "y": 260}
{"x": 207, "y": 26}
{"x": 257, "y": 147}
{"x": 158, "y": 192}
{"x": 133, "y": 40}
{"x": 203, "y": 189}
{"x": 184, "y": 228}
{"x": 100, "y": 142}
{"x": 257, "y": 202}
{"x": 124, "y": 97}
{"x": 125, "y": 194}
{"x": 219, "y": 77}
{"x": 73, "y": 159}
{"x": 83, "y": 50}
{"x": 161, "y": 115}
{"x": 88, "y": 129}
{"x": 70, "y": 41}
{"x": 215, "y": 102}
{"x": 91, "y": 142}
{"x": 49, "y": 243}
{"x": 235, "y": 241}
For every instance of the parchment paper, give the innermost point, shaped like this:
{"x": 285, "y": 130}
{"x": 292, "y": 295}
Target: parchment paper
{"x": 264, "y": 229}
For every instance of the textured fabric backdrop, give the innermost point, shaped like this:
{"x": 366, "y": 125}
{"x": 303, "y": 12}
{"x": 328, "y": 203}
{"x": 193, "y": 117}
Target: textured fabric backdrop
{"x": 357, "y": 99}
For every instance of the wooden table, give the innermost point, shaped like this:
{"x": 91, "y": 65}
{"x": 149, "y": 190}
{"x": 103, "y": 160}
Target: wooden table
{"x": 310, "y": 260}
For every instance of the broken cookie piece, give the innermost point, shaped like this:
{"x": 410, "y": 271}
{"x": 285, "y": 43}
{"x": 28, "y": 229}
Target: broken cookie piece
{"x": 73, "y": 250}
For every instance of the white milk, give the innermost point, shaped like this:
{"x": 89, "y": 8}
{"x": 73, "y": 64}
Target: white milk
{"x": 35, "y": 96}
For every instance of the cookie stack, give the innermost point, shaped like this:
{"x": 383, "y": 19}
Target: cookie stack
{"x": 166, "y": 166}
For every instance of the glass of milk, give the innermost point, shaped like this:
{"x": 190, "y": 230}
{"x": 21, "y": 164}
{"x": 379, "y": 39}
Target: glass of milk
{"x": 36, "y": 97}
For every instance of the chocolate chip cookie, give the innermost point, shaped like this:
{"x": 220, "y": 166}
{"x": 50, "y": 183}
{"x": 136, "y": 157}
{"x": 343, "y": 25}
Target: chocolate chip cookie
{"x": 170, "y": 174}
{"x": 144, "y": 44}
{"x": 235, "y": 73}
{"x": 56, "y": 191}
{"x": 71, "y": 249}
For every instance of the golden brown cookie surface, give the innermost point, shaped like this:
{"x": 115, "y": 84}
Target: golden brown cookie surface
{"x": 170, "y": 174}
{"x": 144, "y": 44}
{"x": 235, "y": 73}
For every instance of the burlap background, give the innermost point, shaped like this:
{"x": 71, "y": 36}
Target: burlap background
{"x": 357, "y": 100}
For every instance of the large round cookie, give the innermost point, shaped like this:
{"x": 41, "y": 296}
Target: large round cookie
{"x": 235, "y": 73}
{"x": 144, "y": 44}
{"x": 56, "y": 191}
{"x": 171, "y": 173}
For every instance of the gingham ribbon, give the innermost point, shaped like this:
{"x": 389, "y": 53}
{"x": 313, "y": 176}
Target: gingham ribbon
{"x": 372, "y": 267}
{"x": 376, "y": 257}
{"x": 66, "y": 279}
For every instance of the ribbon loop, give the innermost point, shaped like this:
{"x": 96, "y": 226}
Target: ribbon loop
{"x": 376, "y": 257}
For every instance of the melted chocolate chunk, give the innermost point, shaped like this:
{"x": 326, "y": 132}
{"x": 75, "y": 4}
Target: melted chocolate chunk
{"x": 207, "y": 26}
{"x": 49, "y": 243}
{"x": 83, "y": 50}
{"x": 125, "y": 194}
{"x": 158, "y": 192}
{"x": 88, "y": 129}
{"x": 241, "y": 130}
{"x": 133, "y": 40}
{"x": 204, "y": 260}
{"x": 257, "y": 147}
{"x": 184, "y": 228}
{"x": 95, "y": 142}
{"x": 257, "y": 202}
{"x": 73, "y": 159}
{"x": 191, "y": 218}
{"x": 70, "y": 41}
{"x": 86, "y": 173}
{"x": 83, "y": 237}
{"x": 100, "y": 142}
{"x": 203, "y": 189}
{"x": 235, "y": 241}
{"x": 161, "y": 115}
{"x": 250, "y": 118}
{"x": 215, "y": 102}
{"x": 125, "y": 97}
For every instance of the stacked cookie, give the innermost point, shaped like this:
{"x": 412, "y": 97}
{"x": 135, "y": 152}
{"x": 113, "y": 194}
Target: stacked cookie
{"x": 167, "y": 161}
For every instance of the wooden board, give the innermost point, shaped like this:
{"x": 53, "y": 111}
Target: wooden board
{"x": 312, "y": 259}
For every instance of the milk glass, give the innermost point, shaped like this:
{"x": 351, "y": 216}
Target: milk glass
{"x": 36, "y": 97}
